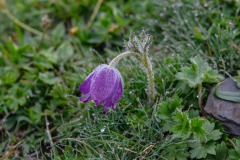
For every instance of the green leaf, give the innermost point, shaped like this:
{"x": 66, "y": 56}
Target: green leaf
{"x": 48, "y": 78}
{"x": 188, "y": 75}
{"x": 193, "y": 113}
{"x": 221, "y": 151}
{"x": 16, "y": 96}
{"x": 8, "y": 75}
{"x": 166, "y": 109}
{"x": 198, "y": 34}
{"x": 64, "y": 52}
{"x": 197, "y": 128}
{"x": 58, "y": 31}
{"x": 234, "y": 154}
{"x": 211, "y": 133}
{"x": 182, "y": 127}
{"x": 35, "y": 113}
{"x": 176, "y": 152}
{"x": 168, "y": 125}
{"x": 202, "y": 150}
{"x": 198, "y": 73}
{"x": 49, "y": 55}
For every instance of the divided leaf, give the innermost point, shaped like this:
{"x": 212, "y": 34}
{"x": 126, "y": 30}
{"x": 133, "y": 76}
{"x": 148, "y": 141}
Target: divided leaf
{"x": 176, "y": 152}
{"x": 221, "y": 152}
{"x": 201, "y": 150}
{"x": 166, "y": 109}
{"x": 234, "y": 154}
{"x": 198, "y": 72}
{"x": 48, "y": 78}
{"x": 183, "y": 125}
{"x": 174, "y": 120}
{"x": 197, "y": 128}
{"x": 211, "y": 133}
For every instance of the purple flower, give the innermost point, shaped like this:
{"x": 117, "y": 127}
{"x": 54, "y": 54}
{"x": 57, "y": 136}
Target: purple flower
{"x": 104, "y": 85}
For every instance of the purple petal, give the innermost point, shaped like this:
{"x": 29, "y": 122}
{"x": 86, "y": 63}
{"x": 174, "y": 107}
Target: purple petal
{"x": 85, "y": 98}
{"x": 118, "y": 90}
{"x": 106, "y": 110}
{"x": 103, "y": 84}
{"x": 116, "y": 93}
{"x": 85, "y": 86}
{"x": 97, "y": 102}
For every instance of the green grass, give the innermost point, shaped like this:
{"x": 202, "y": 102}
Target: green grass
{"x": 41, "y": 116}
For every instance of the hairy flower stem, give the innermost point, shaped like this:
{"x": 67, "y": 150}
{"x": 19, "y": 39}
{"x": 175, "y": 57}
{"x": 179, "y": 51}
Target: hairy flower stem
{"x": 146, "y": 64}
{"x": 114, "y": 62}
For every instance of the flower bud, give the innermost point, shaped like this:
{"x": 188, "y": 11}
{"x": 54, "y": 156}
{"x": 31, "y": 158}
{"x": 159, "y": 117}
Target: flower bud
{"x": 139, "y": 44}
{"x": 45, "y": 22}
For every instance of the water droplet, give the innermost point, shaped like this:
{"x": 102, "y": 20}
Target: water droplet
{"x": 47, "y": 123}
{"x": 103, "y": 129}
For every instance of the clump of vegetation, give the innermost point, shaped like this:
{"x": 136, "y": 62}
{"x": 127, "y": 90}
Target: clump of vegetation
{"x": 48, "y": 48}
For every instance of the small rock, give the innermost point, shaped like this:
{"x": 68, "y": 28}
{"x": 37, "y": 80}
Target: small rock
{"x": 226, "y": 111}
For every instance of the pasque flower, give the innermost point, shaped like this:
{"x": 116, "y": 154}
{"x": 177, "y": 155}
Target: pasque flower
{"x": 104, "y": 86}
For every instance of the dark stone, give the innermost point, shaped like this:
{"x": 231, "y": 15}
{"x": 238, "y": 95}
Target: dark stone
{"x": 226, "y": 111}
